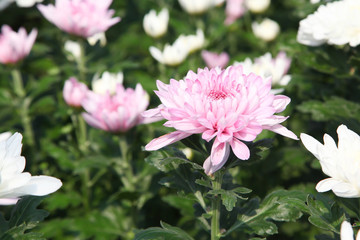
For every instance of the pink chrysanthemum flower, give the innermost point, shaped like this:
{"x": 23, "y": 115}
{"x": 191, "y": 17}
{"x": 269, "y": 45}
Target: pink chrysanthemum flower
{"x": 118, "y": 112}
{"x": 14, "y": 46}
{"x": 223, "y": 104}
{"x": 80, "y": 17}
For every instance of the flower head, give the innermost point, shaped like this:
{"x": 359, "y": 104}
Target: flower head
{"x": 74, "y": 92}
{"x": 257, "y": 6}
{"x": 156, "y": 25}
{"x": 27, "y": 3}
{"x": 107, "y": 83}
{"x": 74, "y": 49}
{"x": 15, "y": 183}
{"x": 97, "y": 37}
{"x": 176, "y": 53}
{"x": 213, "y": 60}
{"x": 225, "y": 105}
{"x": 14, "y": 46}
{"x": 266, "y": 66}
{"x": 335, "y": 23}
{"x": 340, "y": 163}
{"x": 234, "y": 10}
{"x": 267, "y": 30}
{"x": 192, "y": 42}
{"x": 80, "y": 17}
{"x": 118, "y": 112}
{"x": 198, "y": 6}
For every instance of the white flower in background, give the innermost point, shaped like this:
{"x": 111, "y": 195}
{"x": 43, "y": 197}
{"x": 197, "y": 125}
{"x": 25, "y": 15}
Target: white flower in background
{"x": 16, "y": 183}
{"x": 314, "y": 1}
{"x": 156, "y": 25}
{"x": 257, "y": 6}
{"x": 193, "y": 42}
{"x": 97, "y": 37}
{"x": 172, "y": 55}
{"x": 74, "y": 49}
{"x": 27, "y": 3}
{"x": 198, "y": 6}
{"x": 266, "y": 66}
{"x": 341, "y": 163}
{"x": 347, "y": 233}
{"x": 20, "y": 3}
{"x": 176, "y": 53}
{"x": 267, "y": 30}
{"x": 107, "y": 82}
{"x": 336, "y": 23}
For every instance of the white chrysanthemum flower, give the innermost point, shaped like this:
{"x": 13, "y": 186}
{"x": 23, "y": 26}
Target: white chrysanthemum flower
{"x": 193, "y": 42}
{"x": 107, "y": 82}
{"x": 266, "y": 66}
{"x": 198, "y": 6}
{"x": 27, "y": 3}
{"x": 347, "y": 233}
{"x": 257, "y": 6}
{"x": 74, "y": 49}
{"x": 172, "y": 55}
{"x": 97, "y": 37}
{"x": 267, "y": 30}
{"x": 176, "y": 53}
{"x": 15, "y": 183}
{"x": 336, "y": 23}
{"x": 341, "y": 163}
{"x": 156, "y": 25}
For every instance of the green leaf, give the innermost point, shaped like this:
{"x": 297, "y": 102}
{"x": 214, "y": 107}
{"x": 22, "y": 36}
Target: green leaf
{"x": 324, "y": 213}
{"x": 26, "y": 211}
{"x": 228, "y": 197}
{"x": 256, "y": 217}
{"x": 25, "y": 216}
{"x": 18, "y": 233}
{"x": 4, "y": 225}
{"x": 166, "y": 232}
{"x": 334, "y": 108}
{"x": 185, "y": 205}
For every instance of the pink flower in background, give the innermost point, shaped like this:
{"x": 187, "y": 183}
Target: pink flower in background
{"x": 74, "y": 92}
{"x": 118, "y": 112}
{"x": 223, "y": 104}
{"x": 80, "y": 17}
{"x": 14, "y": 46}
{"x": 215, "y": 60}
{"x": 234, "y": 10}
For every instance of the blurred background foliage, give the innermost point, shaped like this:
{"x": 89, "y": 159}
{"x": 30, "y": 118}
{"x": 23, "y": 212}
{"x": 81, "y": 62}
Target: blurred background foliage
{"x": 94, "y": 202}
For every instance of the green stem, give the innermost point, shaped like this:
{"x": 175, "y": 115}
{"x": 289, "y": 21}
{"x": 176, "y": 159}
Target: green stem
{"x": 81, "y": 62}
{"x": 18, "y": 83}
{"x": 81, "y": 138}
{"x": 125, "y": 167}
{"x": 24, "y": 106}
{"x": 215, "y": 207}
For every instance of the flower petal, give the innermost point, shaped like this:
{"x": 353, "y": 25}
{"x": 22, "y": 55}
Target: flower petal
{"x": 165, "y": 140}
{"x": 240, "y": 149}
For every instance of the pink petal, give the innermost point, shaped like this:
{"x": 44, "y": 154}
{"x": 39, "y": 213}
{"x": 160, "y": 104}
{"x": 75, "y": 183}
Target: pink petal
{"x": 240, "y": 149}
{"x": 165, "y": 140}
{"x": 279, "y": 129}
{"x": 219, "y": 155}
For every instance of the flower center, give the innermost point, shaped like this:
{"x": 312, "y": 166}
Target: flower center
{"x": 216, "y": 95}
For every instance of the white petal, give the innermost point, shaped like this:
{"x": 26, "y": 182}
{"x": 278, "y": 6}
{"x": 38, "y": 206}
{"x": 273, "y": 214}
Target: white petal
{"x": 311, "y": 144}
{"x": 346, "y": 231}
{"x": 40, "y": 186}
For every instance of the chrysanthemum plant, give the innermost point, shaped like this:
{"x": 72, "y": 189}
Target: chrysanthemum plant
{"x": 229, "y": 108}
